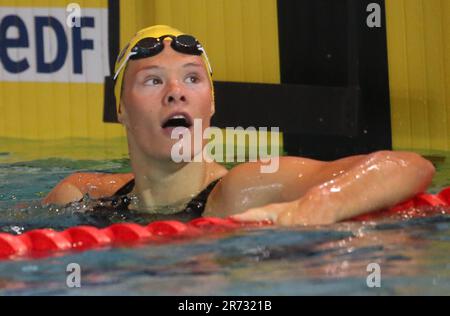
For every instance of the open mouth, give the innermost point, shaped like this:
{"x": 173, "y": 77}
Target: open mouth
{"x": 178, "y": 120}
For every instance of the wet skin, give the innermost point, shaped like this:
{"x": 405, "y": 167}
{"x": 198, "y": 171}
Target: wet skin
{"x": 302, "y": 192}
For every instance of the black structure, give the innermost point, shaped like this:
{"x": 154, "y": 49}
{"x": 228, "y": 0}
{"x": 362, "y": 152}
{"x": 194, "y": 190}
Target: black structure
{"x": 296, "y": 109}
{"x": 333, "y": 99}
{"x": 328, "y": 43}
{"x": 109, "y": 110}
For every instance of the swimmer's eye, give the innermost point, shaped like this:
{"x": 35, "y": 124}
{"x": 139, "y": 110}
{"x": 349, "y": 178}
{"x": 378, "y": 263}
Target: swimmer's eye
{"x": 153, "y": 81}
{"x": 192, "y": 79}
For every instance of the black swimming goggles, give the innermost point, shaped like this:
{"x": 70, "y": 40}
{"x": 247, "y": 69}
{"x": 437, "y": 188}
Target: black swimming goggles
{"x": 151, "y": 46}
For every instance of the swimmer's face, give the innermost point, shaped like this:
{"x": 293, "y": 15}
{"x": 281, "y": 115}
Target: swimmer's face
{"x": 157, "y": 88}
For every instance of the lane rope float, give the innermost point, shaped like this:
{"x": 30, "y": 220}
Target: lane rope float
{"x": 40, "y": 243}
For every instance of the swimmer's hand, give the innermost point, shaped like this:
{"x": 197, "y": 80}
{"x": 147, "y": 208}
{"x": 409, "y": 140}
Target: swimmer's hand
{"x": 298, "y": 212}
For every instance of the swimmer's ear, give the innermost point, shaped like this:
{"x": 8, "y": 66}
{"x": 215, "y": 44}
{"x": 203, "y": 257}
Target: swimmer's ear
{"x": 121, "y": 114}
{"x": 213, "y": 108}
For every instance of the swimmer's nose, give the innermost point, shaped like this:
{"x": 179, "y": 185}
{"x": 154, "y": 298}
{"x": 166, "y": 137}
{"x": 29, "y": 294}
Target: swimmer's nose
{"x": 174, "y": 95}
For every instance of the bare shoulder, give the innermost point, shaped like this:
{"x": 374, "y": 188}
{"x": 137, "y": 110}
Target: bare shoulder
{"x": 214, "y": 171}
{"x": 250, "y": 173}
{"x": 97, "y": 185}
{"x": 246, "y": 186}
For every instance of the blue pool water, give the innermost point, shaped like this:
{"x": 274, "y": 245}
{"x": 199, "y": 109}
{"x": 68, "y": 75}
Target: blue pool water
{"x": 413, "y": 254}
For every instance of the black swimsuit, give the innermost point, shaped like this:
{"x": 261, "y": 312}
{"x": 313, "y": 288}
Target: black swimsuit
{"x": 115, "y": 208}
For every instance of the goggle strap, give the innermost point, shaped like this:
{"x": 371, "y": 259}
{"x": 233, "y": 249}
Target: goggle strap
{"x": 200, "y": 47}
{"x": 123, "y": 64}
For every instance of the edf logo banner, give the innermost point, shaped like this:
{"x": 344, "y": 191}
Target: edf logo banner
{"x": 37, "y": 44}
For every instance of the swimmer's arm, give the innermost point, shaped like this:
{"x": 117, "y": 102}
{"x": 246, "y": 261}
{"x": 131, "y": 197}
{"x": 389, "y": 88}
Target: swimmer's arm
{"x": 245, "y": 187}
{"x": 75, "y": 186}
{"x": 376, "y": 181}
{"x": 64, "y": 193}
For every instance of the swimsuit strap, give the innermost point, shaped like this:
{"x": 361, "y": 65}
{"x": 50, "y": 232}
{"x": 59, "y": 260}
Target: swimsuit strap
{"x": 117, "y": 205}
{"x": 197, "y": 204}
{"x": 112, "y": 209}
{"x": 128, "y": 187}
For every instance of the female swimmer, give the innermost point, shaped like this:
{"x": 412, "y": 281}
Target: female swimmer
{"x": 163, "y": 80}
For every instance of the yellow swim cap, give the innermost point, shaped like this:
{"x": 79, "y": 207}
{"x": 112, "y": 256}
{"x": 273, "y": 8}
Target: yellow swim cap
{"x": 155, "y": 31}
